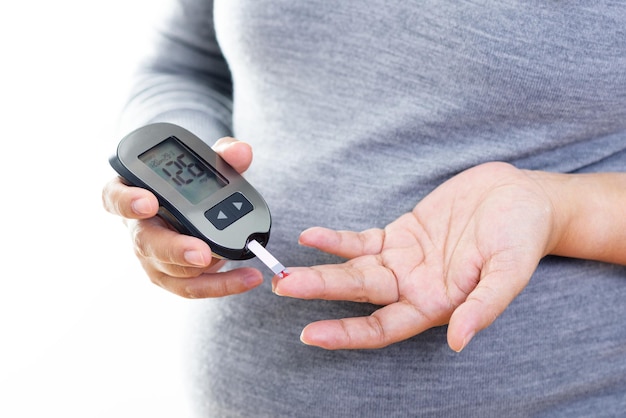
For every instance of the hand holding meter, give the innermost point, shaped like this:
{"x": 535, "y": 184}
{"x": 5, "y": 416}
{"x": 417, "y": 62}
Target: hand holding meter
{"x": 198, "y": 192}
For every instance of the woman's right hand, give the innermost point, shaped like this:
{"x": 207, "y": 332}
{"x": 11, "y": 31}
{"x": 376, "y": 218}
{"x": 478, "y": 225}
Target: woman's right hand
{"x": 179, "y": 263}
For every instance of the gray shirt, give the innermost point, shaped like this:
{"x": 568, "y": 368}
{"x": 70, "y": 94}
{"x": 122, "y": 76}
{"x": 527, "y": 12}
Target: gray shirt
{"x": 356, "y": 110}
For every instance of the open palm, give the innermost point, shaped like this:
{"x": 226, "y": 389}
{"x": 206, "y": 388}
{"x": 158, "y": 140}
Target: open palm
{"x": 459, "y": 258}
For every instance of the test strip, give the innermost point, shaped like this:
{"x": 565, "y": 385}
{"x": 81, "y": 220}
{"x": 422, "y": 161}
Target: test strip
{"x": 267, "y": 258}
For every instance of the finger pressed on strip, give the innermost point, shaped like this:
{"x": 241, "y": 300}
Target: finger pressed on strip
{"x": 369, "y": 282}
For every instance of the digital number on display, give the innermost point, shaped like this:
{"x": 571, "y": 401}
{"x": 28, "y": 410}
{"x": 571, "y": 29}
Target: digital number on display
{"x": 190, "y": 177}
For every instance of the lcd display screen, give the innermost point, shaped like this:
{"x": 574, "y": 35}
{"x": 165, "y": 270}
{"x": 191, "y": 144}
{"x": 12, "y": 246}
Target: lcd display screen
{"x": 192, "y": 177}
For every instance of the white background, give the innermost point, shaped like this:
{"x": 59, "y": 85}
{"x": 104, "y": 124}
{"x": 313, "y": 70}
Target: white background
{"x": 83, "y": 333}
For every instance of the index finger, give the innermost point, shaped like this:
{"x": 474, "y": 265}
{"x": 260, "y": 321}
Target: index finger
{"x": 128, "y": 201}
{"x": 363, "y": 279}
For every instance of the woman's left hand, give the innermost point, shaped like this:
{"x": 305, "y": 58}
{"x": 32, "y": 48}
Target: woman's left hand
{"x": 459, "y": 258}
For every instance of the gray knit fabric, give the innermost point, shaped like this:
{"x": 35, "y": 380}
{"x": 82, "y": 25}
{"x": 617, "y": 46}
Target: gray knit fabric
{"x": 356, "y": 110}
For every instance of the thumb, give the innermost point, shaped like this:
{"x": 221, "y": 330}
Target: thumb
{"x": 494, "y": 293}
{"x": 236, "y": 153}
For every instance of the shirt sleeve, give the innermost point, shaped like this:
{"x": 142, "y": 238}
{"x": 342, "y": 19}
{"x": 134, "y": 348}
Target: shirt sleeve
{"x": 184, "y": 79}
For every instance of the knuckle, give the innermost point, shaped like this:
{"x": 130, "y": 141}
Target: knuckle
{"x": 107, "y": 198}
{"x": 371, "y": 241}
{"x": 487, "y": 301}
{"x": 111, "y": 197}
{"x": 137, "y": 234}
{"x": 377, "y": 331}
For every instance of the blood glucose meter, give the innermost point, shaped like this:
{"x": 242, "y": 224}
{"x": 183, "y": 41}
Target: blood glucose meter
{"x": 198, "y": 192}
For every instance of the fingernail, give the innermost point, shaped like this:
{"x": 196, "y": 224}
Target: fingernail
{"x": 194, "y": 257}
{"x": 141, "y": 206}
{"x": 222, "y": 146}
{"x": 274, "y": 290}
{"x": 302, "y": 340}
{"x": 466, "y": 340}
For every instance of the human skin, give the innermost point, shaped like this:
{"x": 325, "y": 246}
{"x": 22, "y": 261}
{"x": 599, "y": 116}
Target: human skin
{"x": 179, "y": 263}
{"x": 459, "y": 258}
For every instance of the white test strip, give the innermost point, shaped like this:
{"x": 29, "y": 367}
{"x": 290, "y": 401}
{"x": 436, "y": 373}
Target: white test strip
{"x": 267, "y": 258}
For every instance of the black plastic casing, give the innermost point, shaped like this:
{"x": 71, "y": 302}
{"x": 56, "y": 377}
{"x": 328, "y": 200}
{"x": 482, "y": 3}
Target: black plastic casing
{"x": 188, "y": 218}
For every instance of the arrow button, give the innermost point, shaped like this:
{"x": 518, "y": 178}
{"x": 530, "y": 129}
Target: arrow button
{"x": 229, "y": 210}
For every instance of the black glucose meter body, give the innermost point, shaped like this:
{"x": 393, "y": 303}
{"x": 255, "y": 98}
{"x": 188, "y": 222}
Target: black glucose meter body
{"x": 198, "y": 192}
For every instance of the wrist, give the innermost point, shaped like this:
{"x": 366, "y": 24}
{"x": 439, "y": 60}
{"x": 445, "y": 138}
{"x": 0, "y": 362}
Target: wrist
{"x": 553, "y": 186}
{"x": 588, "y": 219}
